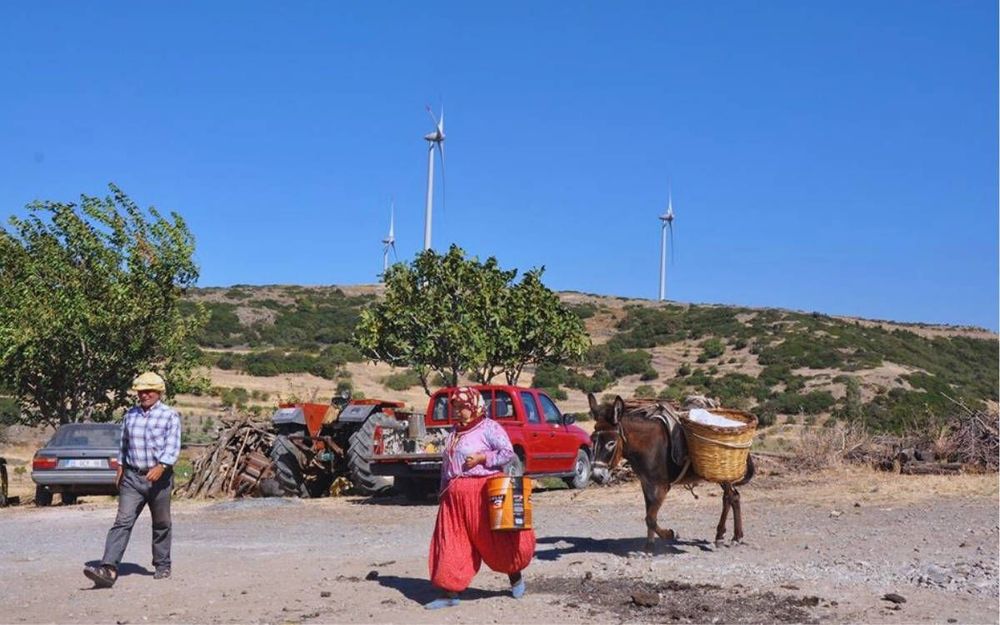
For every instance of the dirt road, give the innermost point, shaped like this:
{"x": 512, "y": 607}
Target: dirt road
{"x": 820, "y": 548}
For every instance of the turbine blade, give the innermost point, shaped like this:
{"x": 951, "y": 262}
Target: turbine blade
{"x": 431, "y": 113}
{"x": 671, "y": 243}
{"x": 440, "y": 125}
{"x": 393, "y": 246}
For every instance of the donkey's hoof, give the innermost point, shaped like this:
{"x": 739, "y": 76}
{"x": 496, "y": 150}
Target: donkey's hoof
{"x": 738, "y": 542}
{"x": 720, "y": 542}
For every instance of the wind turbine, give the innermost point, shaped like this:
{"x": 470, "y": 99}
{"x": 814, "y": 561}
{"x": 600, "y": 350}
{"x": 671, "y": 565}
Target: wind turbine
{"x": 666, "y": 221}
{"x": 436, "y": 140}
{"x": 390, "y": 240}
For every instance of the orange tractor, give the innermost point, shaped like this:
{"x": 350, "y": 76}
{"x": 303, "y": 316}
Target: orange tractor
{"x": 315, "y": 444}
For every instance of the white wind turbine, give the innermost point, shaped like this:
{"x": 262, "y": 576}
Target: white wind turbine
{"x": 666, "y": 221}
{"x": 436, "y": 139}
{"x": 389, "y": 241}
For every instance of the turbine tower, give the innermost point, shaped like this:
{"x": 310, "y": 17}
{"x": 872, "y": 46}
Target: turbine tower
{"x": 666, "y": 221}
{"x": 436, "y": 140}
{"x": 389, "y": 241}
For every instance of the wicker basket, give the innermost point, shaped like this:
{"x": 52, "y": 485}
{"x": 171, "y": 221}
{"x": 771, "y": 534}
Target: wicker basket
{"x": 720, "y": 454}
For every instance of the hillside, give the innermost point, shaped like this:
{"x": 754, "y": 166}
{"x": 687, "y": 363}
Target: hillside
{"x": 263, "y": 343}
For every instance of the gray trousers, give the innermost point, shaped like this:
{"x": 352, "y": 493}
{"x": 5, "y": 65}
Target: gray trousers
{"x": 135, "y": 492}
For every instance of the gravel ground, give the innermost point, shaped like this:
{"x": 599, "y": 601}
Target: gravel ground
{"x": 820, "y": 548}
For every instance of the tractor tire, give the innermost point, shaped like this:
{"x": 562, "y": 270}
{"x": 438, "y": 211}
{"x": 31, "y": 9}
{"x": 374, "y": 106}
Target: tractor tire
{"x": 43, "y": 496}
{"x": 582, "y": 470}
{"x": 360, "y": 447}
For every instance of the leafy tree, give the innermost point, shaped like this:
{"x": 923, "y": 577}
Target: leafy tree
{"x": 89, "y": 297}
{"x": 536, "y": 328}
{"x": 448, "y": 314}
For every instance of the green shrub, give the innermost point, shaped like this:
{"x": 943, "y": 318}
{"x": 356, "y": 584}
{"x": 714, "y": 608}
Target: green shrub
{"x": 711, "y": 348}
{"x": 555, "y": 393}
{"x": 644, "y": 392}
{"x": 402, "y": 380}
{"x": 622, "y": 363}
{"x": 550, "y": 376}
{"x": 649, "y": 374}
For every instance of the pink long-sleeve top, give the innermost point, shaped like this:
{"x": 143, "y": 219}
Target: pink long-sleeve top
{"x": 486, "y": 437}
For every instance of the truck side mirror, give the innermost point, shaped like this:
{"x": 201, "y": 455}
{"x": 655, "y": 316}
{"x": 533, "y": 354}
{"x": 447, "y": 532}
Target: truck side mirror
{"x": 569, "y": 419}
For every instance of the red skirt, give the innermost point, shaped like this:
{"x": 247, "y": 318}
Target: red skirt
{"x": 463, "y": 538}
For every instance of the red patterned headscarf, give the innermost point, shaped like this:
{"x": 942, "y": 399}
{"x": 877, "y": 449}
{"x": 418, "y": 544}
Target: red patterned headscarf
{"x": 468, "y": 397}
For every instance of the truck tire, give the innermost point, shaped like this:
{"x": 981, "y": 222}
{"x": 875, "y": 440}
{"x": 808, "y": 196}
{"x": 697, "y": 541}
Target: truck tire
{"x": 360, "y": 447}
{"x": 43, "y": 496}
{"x": 582, "y": 469}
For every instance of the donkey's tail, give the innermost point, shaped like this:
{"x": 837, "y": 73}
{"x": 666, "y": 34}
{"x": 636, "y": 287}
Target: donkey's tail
{"x": 751, "y": 471}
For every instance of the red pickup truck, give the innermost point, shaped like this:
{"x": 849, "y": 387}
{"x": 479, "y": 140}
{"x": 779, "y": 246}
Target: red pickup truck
{"x": 546, "y": 443}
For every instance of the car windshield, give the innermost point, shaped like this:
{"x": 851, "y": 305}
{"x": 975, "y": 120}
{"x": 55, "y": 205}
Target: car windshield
{"x": 99, "y": 436}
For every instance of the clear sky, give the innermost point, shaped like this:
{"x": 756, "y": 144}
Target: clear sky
{"x": 836, "y": 156}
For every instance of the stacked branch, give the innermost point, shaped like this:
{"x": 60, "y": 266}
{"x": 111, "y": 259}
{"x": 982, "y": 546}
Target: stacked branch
{"x": 215, "y": 472}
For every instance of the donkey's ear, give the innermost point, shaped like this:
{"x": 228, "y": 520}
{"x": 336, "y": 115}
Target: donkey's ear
{"x": 595, "y": 408}
{"x": 617, "y": 410}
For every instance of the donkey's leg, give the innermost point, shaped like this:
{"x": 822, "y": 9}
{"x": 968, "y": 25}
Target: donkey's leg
{"x": 727, "y": 502}
{"x": 737, "y": 517}
{"x": 655, "y": 494}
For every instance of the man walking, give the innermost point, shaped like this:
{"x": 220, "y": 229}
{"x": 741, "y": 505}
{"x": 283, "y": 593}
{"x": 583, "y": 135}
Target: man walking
{"x": 151, "y": 442}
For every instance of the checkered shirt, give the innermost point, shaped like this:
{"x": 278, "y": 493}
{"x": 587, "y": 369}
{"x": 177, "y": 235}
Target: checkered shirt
{"x": 150, "y": 437}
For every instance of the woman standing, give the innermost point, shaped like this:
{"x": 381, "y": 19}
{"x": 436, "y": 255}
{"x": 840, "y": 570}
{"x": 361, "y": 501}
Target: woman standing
{"x": 476, "y": 449}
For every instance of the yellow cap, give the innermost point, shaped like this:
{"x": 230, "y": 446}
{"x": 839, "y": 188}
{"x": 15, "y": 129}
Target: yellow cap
{"x": 149, "y": 381}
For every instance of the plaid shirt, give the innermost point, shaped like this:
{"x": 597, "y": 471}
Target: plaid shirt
{"x": 150, "y": 437}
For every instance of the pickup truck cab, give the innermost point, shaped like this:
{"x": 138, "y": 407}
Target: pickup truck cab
{"x": 546, "y": 442}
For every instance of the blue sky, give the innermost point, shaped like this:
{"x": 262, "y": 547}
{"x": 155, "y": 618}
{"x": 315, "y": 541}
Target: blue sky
{"x": 830, "y": 156}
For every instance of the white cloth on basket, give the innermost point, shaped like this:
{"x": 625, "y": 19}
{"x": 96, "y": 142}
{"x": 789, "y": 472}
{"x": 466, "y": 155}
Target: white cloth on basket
{"x": 704, "y": 417}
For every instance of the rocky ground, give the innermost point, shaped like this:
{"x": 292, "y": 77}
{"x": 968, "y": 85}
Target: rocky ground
{"x": 822, "y": 547}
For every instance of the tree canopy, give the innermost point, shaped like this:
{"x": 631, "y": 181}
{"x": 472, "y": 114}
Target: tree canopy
{"x": 89, "y": 297}
{"x": 451, "y": 315}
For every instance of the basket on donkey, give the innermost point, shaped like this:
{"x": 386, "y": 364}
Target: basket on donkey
{"x": 719, "y": 454}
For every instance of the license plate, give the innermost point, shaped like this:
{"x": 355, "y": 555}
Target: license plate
{"x": 87, "y": 463}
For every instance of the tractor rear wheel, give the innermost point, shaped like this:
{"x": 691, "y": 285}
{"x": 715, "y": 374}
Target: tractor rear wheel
{"x": 361, "y": 447}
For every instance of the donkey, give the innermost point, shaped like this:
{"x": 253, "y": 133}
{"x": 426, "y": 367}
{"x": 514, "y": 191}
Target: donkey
{"x": 644, "y": 439}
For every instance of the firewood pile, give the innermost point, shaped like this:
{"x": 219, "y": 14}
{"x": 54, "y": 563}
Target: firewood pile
{"x": 216, "y": 473}
{"x": 968, "y": 443}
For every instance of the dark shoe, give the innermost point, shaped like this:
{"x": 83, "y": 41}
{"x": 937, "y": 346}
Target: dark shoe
{"x": 103, "y": 576}
{"x": 161, "y": 574}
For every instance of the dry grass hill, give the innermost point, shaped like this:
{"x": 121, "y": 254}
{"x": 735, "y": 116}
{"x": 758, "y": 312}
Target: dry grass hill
{"x": 264, "y": 344}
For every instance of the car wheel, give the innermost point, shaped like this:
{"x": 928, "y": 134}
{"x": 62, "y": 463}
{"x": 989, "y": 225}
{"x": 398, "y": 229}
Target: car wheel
{"x": 581, "y": 471}
{"x": 43, "y": 496}
{"x": 68, "y": 499}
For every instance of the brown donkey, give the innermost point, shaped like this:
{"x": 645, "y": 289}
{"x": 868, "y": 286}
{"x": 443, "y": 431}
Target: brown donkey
{"x": 643, "y": 438}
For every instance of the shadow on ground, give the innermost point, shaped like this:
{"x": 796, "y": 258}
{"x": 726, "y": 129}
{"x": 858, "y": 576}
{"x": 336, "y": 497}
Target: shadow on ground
{"x": 421, "y": 591}
{"x": 554, "y": 547}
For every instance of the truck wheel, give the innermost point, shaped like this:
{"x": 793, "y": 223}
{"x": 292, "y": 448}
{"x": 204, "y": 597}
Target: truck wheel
{"x": 360, "y": 448}
{"x": 581, "y": 471}
{"x": 43, "y": 496}
{"x": 516, "y": 466}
